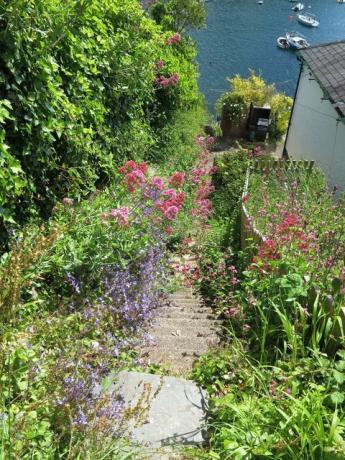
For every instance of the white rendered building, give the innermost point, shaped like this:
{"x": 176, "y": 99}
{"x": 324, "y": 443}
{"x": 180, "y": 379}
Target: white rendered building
{"x": 317, "y": 124}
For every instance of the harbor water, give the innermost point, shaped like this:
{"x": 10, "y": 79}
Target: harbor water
{"x": 241, "y": 35}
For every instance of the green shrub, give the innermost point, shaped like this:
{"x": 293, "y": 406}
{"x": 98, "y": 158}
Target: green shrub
{"x": 234, "y": 105}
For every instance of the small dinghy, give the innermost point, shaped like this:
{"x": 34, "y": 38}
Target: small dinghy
{"x": 308, "y": 19}
{"x": 260, "y": 2}
{"x": 298, "y": 7}
{"x": 283, "y": 43}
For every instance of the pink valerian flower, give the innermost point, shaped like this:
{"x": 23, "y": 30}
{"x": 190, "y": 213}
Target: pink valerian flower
{"x": 213, "y": 170}
{"x": 134, "y": 179}
{"x": 171, "y": 212}
{"x": 210, "y": 140}
{"x": 201, "y": 141}
{"x": 205, "y": 191}
{"x": 177, "y": 179}
{"x": 131, "y": 165}
{"x": 164, "y": 82}
{"x": 245, "y": 198}
{"x": 159, "y": 64}
{"x": 197, "y": 175}
{"x": 158, "y": 182}
{"x": 174, "y": 40}
{"x": 172, "y": 205}
{"x": 291, "y": 220}
{"x": 170, "y": 192}
{"x": 232, "y": 312}
{"x": 68, "y": 201}
{"x": 119, "y": 214}
{"x": 169, "y": 230}
{"x": 194, "y": 212}
{"x": 269, "y": 250}
{"x": 205, "y": 207}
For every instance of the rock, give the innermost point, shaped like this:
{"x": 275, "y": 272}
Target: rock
{"x": 161, "y": 411}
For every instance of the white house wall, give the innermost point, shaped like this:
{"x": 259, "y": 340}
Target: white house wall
{"x": 315, "y": 133}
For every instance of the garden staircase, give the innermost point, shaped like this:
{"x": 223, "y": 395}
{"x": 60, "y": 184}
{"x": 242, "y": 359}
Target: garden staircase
{"x": 169, "y": 412}
{"x": 182, "y": 332}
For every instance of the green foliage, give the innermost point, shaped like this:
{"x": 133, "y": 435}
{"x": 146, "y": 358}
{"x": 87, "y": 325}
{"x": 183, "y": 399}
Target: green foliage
{"x": 272, "y": 412}
{"x": 277, "y": 386}
{"x": 234, "y": 105}
{"x": 79, "y": 97}
{"x": 60, "y": 331}
{"x": 229, "y": 182}
{"x": 179, "y": 15}
{"x": 297, "y": 277}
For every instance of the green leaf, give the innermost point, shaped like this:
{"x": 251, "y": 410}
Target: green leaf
{"x": 337, "y": 398}
{"x": 339, "y": 376}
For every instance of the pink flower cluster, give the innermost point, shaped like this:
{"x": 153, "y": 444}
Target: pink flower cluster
{"x": 174, "y": 40}
{"x": 159, "y": 64}
{"x": 205, "y": 190}
{"x": 120, "y": 215}
{"x": 158, "y": 183}
{"x": 164, "y": 82}
{"x": 134, "y": 174}
{"x": 68, "y": 201}
{"x": 131, "y": 165}
{"x": 171, "y": 204}
{"x": 177, "y": 179}
{"x": 203, "y": 141}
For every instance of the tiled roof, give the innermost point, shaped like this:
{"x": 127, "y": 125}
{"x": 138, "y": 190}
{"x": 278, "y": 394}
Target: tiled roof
{"x": 327, "y": 62}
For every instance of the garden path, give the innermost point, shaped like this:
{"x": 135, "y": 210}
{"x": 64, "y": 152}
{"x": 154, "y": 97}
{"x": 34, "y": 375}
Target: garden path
{"x": 183, "y": 330}
{"x": 175, "y": 408}
{"x": 186, "y": 328}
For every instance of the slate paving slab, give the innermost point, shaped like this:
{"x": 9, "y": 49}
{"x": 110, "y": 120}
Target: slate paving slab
{"x": 161, "y": 410}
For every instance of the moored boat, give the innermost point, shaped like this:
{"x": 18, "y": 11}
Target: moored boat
{"x": 283, "y": 43}
{"x": 308, "y": 19}
{"x": 298, "y": 7}
{"x": 296, "y": 41}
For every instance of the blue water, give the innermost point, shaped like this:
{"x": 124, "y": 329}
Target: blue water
{"x": 241, "y": 35}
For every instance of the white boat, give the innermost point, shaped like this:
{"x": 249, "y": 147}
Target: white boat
{"x": 260, "y": 2}
{"x": 298, "y": 7}
{"x": 283, "y": 43}
{"x": 308, "y": 19}
{"x": 296, "y": 41}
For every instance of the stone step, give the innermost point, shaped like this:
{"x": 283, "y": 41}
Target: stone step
{"x": 175, "y": 330}
{"x": 163, "y": 411}
{"x": 179, "y": 363}
{"x": 188, "y": 314}
{"x": 168, "y": 342}
{"x": 184, "y": 302}
{"x": 184, "y": 296}
{"x": 188, "y": 307}
{"x": 178, "y": 322}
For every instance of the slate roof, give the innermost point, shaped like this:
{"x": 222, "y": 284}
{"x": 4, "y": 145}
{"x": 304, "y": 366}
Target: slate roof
{"x": 327, "y": 63}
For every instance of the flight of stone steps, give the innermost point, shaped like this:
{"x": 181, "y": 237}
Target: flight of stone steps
{"x": 182, "y": 332}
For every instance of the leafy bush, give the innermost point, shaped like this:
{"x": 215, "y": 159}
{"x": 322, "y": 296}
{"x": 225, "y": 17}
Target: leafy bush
{"x": 179, "y": 15}
{"x": 234, "y": 105}
{"x": 297, "y": 276}
{"x": 79, "y": 95}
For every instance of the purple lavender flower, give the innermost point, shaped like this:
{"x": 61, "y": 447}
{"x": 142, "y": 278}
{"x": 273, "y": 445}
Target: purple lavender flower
{"x": 72, "y": 281}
